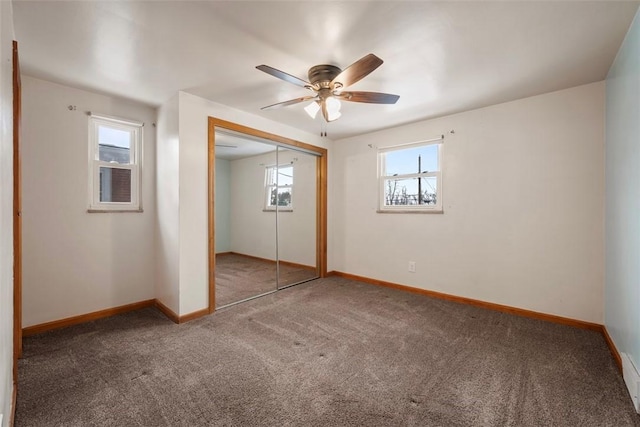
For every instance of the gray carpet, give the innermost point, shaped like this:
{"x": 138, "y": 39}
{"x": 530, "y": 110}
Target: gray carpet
{"x": 239, "y": 277}
{"x": 331, "y": 352}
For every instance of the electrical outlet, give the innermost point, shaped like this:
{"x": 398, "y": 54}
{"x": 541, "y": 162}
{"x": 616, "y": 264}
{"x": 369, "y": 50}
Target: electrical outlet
{"x": 412, "y": 266}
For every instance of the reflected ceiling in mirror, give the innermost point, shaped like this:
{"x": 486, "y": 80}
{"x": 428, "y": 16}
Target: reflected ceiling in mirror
{"x": 232, "y": 145}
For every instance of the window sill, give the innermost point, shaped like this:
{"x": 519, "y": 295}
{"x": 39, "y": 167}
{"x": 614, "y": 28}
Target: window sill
{"x": 410, "y": 211}
{"x": 279, "y": 210}
{"x": 115, "y": 210}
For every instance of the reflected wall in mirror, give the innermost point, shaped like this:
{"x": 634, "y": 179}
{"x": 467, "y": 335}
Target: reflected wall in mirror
{"x": 296, "y": 205}
{"x": 245, "y": 238}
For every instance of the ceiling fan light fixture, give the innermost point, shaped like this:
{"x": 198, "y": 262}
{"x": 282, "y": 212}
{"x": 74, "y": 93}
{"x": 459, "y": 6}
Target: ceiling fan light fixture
{"x": 333, "y": 108}
{"x": 334, "y": 116}
{"x": 312, "y": 109}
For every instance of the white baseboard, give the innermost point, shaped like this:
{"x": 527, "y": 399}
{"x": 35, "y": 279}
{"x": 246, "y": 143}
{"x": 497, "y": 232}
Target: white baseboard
{"x": 631, "y": 379}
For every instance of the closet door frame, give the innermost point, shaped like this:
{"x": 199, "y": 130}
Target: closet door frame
{"x": 321, "y": 194}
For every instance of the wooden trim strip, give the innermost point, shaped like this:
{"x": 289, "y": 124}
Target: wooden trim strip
{"x": 175, "y": 318}
{"x": 287, "y": 263}
{"x": 478, "y": 303}
{"x": 211, "y": 212}
{"x": 166, "y": 311}
{"x": 612, "y": 348}
{"x": 83, "y": 318}
{"x": 192, "y": 316}
{"x": 296, "y": 265}
{"x": 213, "y": 121}
{"x": 321, "y": 230}
{"x": 17, "y": 211}
{"x": 14, "y": 401}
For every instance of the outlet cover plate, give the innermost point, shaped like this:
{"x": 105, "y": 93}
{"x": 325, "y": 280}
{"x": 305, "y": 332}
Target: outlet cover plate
{"x": 412, "y": 266}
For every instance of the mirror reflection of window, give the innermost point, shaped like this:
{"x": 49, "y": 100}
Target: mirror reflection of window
{"x": 279, "y": 187}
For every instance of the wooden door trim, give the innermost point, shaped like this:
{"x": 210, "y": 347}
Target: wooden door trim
{"x": 321, "y": 194}
{"x": 17, "y": 214}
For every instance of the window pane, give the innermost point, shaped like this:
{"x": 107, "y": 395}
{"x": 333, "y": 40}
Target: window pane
{"x": 412, "y": 160}
{"x": 285, "y": 175}
{"x": 115, "y": 185}
{"x": 114, "y": 145}
{"x": 281, "y": 197}
{"x": 413, "y": 191}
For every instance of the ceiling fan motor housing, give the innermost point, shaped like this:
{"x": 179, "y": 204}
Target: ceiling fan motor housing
{"x": 321, "y": 76}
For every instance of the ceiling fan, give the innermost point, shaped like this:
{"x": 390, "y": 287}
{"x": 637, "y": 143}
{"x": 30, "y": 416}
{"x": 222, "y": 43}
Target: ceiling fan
{"x": 327, "y": 82}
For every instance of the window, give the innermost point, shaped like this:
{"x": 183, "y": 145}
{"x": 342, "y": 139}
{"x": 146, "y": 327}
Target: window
{"x": 279, "y": 187}
{"x": 115, "y": 154}
{"x": 410, "y": 177}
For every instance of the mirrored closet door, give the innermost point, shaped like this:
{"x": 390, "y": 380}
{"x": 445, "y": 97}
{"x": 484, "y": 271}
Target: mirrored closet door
{"x": 245, "y": 238}
{"x": 296, "y": 217}
{"x": 265, "y": 217}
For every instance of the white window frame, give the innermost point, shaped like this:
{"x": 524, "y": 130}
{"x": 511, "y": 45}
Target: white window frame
{"x": 269, "y": 187}
{"x": 435, "y": 208}
{"x": 135, "y": 163}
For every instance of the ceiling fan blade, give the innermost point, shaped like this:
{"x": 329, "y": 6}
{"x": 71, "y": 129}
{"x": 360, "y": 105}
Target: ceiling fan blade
{"x": 358, "y": 70}
{"x": 283, "y": 76}
{"x": 369, "y": 97}
{"x": 290, "y": 102}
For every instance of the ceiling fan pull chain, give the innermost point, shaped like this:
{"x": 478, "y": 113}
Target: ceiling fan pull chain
{"x": 323, "y": 129}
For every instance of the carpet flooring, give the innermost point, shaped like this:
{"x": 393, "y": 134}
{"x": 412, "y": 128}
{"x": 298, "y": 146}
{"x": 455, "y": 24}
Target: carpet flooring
{"x": 240, "y": 277}
{"x": 331, "y": 352}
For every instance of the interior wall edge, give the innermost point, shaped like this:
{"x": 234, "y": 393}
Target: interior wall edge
{"x": 173, "y": 316}
{"x": 478, "y": 303}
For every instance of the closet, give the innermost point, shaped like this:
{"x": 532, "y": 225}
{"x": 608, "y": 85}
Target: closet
{"x": 267, "y": 203}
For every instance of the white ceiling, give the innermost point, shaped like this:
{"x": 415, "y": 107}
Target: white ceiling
{"x": 440, "y": 57}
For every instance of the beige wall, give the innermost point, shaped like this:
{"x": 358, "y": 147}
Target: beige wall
{"x": 75, "y": 262}
{"x": 536, "y": 242}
